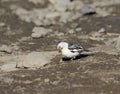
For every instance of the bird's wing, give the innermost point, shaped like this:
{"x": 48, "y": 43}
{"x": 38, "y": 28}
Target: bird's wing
{"x": 75, "y": 48}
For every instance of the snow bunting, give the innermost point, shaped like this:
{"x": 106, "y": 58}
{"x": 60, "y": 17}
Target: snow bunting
{"x": 69, "y": 50}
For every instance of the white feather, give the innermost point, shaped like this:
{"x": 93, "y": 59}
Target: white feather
{"x": 69, "y": 50}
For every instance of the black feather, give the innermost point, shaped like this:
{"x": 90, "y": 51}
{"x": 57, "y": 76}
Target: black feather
{"x": 75, "y": 47}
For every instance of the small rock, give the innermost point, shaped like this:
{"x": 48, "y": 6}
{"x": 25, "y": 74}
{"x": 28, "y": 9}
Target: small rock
{"x": 47, "y": 80}
{"x": 52, "y": 15}
{"x": 24, "y": 39}
{"x": 60, "y": 8}
{"x": 113, "y": 34}
{"x": 15, "y": 47}
{"x": 87, "y": 10}
{"x": 64, "y": 2}
{"x": 74, "y": 25}
{"x": 10, "y": 66}
{"x": 102, "y": 12}
{"x": 109, "y": 42}
{"x": 77, "y": 4}
{"x": 38, "y": 22}
{"x": 71, "y": 31}
{"x": 53, "y": 1}
{"x": 40, "y": 32}
{"x": 65, "y": 16}
{"x": 36, "y": 59}
{"x": 102, "y": 31}
{"x": 85, "y": 37}
{"x": 2, "y": 24}
{"x": 59, "y": 34}
{"x": 60, "y": 5}
{"x": 5, "y": 48}
{"x": 78, "y": 29}
{"x": 118, "y": 43}
{"x": 37, "y": 1}
{"x": 55, "y": 82}
{"x": 21, "y": 11}
{"x": 22, "y": 76}
{"x": 97, "y": 35}
{"x": 28, "y": 82}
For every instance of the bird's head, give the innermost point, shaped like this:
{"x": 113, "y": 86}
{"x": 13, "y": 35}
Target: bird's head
{"x": 62, "y": 45}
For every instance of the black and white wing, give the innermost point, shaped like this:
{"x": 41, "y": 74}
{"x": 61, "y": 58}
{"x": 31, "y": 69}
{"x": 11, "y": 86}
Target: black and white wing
{"x": 75, "y": 48}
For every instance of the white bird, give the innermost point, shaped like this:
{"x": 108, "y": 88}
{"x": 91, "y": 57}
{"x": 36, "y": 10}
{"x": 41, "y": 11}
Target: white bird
{"x": 69, "y": 50}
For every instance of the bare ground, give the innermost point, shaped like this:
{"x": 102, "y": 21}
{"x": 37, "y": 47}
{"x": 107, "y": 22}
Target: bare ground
{"x": 98, "y": 73}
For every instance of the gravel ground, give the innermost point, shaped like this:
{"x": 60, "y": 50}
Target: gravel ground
{"x": 38, "y": 25}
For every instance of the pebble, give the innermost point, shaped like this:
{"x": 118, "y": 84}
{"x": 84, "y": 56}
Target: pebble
{"x": 102, "y": 31}
{"x": 78, "y": 29}
{"x": 109, "y": 42}
{"x": 55, "y": 82}
{"x": 97, "y": 35}
{"x": 5, "y": 48}
{"x": 71, "y": 31}
{"x": 9, "y": 66}
{"x": 2, "y": 24}
{"x": 102, "y": 12}
{"x": 60, "y": 5}
{"x": 65, "y": 16}
{"x": 52, "y": 15}
{"x": 87, "y": 10}
{"x": 47, "y": 80}
{"x": 59, "y": 34}
{"x": 40, "y": 32}
{"x": 38, "y": 1}
{"x": 15, "y": 47}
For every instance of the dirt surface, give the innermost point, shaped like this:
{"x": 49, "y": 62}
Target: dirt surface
{"x": 97, "y": 73}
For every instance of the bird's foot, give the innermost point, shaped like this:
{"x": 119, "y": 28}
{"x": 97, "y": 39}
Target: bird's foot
{"x": 61, "y": 60}
{"x": 72, "y": 59}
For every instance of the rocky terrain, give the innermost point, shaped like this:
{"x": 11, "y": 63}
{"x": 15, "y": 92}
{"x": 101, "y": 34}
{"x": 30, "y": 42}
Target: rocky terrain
{"x": 30, "y": 31}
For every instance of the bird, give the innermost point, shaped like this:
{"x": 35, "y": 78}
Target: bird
{"x": 69, "y": 50}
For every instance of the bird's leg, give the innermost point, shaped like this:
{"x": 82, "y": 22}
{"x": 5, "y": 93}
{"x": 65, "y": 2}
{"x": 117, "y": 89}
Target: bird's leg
{"x": 71, "y": 59}
{"x": 61, "y": 60}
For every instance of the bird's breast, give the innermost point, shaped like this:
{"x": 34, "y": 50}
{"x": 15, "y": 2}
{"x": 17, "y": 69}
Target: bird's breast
{"x": 68, "y": 53}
